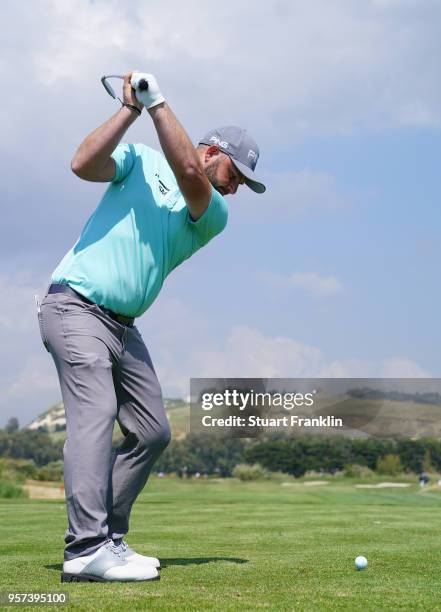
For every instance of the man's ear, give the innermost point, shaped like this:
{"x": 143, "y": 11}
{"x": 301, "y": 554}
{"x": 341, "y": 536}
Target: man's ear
{"x": 211, "y": 152}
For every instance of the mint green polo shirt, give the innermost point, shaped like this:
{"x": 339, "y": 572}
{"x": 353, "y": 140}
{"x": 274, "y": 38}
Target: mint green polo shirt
{"x": 140, "y": 231}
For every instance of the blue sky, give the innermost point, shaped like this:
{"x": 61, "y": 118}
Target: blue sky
{"x": 333, "y": 272}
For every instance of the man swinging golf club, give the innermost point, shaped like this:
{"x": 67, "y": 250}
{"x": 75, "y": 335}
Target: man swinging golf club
{"x": 156, "y": 212}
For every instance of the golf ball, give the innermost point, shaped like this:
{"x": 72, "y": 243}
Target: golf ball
{"x": 361, "y": 562}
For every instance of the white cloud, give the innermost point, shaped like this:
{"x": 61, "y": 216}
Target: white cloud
{"x": 249, "y": 353}
{"x": 286, "y": 69}
{"x": 183, "y": 343}
{"x": 312, "y": 283}
{"x": 316, "y": 284}
{"x": 400, "y": 367}
{"x": 18, "y": 308}
{"x": 37, "y": 375}
{"x": 28, "y": 377}
{"x": 397, "y": 367}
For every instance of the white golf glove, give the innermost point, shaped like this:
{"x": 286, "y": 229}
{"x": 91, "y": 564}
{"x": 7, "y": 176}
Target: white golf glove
{"x": 149, "y": 97}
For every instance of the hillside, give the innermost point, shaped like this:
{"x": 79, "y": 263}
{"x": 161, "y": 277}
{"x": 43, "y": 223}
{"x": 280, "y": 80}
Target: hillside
{"x": 54, "y": 422}
{"x": 361, "y": 417}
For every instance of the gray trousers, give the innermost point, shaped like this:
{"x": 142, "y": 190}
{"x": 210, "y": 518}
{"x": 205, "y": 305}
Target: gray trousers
{"x": 105, "y": 373}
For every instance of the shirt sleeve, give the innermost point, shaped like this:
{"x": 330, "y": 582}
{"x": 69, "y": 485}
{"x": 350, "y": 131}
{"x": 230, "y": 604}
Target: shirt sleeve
{"x": 212, "y": 221}
{"x": 124, "y": 156}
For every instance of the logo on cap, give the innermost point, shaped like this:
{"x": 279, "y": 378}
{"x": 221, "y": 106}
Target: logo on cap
{"x": 220, "y": 143}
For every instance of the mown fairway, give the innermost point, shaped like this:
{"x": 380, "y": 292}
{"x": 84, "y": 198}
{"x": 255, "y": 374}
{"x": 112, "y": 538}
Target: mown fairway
{"x": 226, "y": 545}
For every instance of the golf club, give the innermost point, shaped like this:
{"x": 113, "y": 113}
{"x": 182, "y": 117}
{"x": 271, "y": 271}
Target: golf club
{"x": 142, "y": 85}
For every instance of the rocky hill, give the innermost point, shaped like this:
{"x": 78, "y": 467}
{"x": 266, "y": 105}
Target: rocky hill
{"x": 363, "y": 417}
{"x": 53, "y": 420}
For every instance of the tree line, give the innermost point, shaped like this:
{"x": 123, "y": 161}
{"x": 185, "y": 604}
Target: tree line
{"x": 208, "y": 454}
{"x": 299, "y": 455}
{"x": 30, "y": 444}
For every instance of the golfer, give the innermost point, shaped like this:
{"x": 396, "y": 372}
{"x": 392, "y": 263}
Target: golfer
{"x": 157, "y": 211}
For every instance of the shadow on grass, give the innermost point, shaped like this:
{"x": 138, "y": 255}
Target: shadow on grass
{"x": 55, "y": 566}
{"x": 199, "y": 560}
{"x": 173, "y": 561}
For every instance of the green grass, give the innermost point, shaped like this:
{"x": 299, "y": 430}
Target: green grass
{"x": 228, "y": 545}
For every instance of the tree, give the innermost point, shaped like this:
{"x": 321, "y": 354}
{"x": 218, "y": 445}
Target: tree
{"x": 31, "y": 444}
{"x": 389, "y": 465}
{"x": 412, "y": 454}
{"x": 12, "y": 425}
{"x": 203, "y": 453}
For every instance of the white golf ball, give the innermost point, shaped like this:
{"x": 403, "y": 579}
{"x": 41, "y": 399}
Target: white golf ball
{"x": 361, "y": 562}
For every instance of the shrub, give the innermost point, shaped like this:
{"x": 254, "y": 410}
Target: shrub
{"x": 17, "y": 470}
{"x": 353, "y": 470}
{"x": 251, "y": 472}
{"x": 30, "y": 444}
{"x": 390, "y": 465}
{"x": 9, "y": 490}
{"x": 52, "y": 471}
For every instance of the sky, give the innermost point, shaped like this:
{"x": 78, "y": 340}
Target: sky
{"x": 333, "y": 272}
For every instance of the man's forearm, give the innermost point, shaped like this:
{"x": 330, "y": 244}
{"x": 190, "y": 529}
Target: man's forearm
{"x": 96, "y": 149}
{"x": 176, "y": 145}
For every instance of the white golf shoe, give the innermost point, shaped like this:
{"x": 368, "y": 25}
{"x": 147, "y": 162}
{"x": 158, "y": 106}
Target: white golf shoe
{"x": 134, "y": 557}
{"x": 107, "y": 564}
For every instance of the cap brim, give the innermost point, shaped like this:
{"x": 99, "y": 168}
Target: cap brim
{"x": 250, "y": 178}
